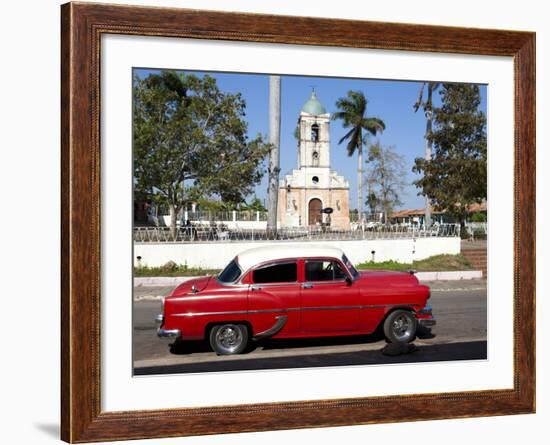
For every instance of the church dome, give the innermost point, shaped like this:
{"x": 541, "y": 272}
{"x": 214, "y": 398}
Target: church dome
{"x": 313, "y": 106}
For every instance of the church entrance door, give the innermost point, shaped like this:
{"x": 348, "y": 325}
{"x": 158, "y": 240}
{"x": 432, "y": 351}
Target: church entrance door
{"x": 314, "y": 215}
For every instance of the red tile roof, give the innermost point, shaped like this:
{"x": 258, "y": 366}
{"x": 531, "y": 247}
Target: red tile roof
{"x": 420, "y": 212}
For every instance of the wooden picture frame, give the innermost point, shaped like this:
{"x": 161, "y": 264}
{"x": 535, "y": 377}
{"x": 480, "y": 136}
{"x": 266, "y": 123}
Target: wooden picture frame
{"x": 82, "y": 26}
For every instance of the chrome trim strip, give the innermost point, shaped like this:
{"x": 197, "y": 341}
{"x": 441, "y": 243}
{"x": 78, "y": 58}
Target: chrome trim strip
{"x": 267, "y": 311}
{"x": 279, "y": 324}
{"x": 292, "y": 309}
{"x": 198, "y": 314}
{"x": 259, "y": 286}
{"x": 331, "y": 308}
{"x": 329, "y": 282}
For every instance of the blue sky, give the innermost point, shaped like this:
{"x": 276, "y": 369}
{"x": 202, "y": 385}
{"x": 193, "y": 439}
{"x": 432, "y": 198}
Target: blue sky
{"x": 390, "y": 100}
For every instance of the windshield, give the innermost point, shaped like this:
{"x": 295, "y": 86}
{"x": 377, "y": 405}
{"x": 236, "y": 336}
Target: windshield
{"x": 230, "y": 274}
{"x": 350, "y": 267}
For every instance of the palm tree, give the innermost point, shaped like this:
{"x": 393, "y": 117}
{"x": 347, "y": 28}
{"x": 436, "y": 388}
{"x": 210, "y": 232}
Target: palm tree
{"x": 274, "y": 155}
{"x": 352, "y": 111}
{"x": 427, "y": 106}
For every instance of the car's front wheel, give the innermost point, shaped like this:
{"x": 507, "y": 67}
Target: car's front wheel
{"x": 400, "y": 326}
{"x": 229, "y": 338}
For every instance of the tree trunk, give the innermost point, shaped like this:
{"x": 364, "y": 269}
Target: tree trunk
{"x": 274, "y": 156}
{"x": 463, "y": 233}
{"x": 173, "y": 221}
{"x": 360, "y": 179}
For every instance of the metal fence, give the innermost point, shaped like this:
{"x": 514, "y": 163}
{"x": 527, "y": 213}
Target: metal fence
{"x": 218, "y": 215}
{"x": 472, "y": 227}
{"x": 250, "y": 215}
{"x": 217, "y": 233}
{"x": 356, "y": 217}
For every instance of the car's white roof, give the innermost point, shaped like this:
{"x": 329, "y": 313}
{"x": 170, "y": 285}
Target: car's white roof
{"x": 250, "y": 258}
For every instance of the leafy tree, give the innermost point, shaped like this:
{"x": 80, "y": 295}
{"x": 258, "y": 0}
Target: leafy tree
{"x": 479, "y": 217}
{"x": 385, "y": 178}
{"x": 255, "y": 205}
{"x": 426, "y": 103}
{"x": 213, "y": 205}
{"x": 372, "y": 201}
{"x": 190, "y": 141}
{"x": 456, "y": 174}
{"x": 352, "y": 111}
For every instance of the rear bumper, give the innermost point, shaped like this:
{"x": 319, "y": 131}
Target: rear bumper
{"x": 166, "y": 333}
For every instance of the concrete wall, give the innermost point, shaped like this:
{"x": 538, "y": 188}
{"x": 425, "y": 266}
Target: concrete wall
{"x": 217, "y": 254}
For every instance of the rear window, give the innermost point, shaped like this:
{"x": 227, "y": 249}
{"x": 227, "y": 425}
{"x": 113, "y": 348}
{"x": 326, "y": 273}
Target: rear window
{"x": 350, "y": 267}
{"x": 230, "y": 274}
{"x": 276, "y": 273}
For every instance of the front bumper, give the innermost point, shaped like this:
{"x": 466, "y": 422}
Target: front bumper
{"x": 166, "y": 333}
{"x": 426, "y": 319}
{"x": 427, "y": 322}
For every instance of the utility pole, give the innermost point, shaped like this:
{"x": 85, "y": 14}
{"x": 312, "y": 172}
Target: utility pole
{"x": 274, "y": 155}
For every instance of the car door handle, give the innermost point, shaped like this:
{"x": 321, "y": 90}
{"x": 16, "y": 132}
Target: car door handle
{"x": 307, "y": 286}
{"x": 256, "y": 287}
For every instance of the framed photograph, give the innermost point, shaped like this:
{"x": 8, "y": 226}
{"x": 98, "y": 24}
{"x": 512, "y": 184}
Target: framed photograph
{"x": 274, "y": 222}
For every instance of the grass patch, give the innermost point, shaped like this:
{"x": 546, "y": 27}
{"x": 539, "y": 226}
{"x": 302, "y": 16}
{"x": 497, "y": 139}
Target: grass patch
{"x": 435, "y": 263}
{"x": 173, "y": 270}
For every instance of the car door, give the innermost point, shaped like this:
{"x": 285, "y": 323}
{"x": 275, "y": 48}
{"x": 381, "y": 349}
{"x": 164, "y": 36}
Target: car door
{"x": 329, "y": 302}
{"x": 275, "y": 292}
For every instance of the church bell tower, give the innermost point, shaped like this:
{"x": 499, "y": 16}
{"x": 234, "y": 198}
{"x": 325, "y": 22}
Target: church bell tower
{"x": 314, "y": 135}
{"x": 313, "y": 186}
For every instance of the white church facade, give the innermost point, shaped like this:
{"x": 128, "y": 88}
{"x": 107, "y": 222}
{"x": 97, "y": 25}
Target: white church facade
{"x": 313, "y": 186}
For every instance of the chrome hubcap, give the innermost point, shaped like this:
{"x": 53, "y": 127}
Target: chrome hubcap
{"x": 402, "y": 327}
{"x": 229, "y": 337}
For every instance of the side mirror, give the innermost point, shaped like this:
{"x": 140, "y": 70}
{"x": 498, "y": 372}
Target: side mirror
{"x": 349, "y": 281}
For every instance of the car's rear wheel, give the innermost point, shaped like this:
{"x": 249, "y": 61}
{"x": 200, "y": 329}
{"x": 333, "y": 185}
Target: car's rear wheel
{"x": 229, "y": 338}
{"x": 400, "y": 326}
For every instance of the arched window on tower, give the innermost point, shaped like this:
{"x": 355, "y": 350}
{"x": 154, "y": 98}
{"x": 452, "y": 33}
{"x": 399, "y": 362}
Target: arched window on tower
{"x": 315, "y": 132}
{"x": 315, "y": 159}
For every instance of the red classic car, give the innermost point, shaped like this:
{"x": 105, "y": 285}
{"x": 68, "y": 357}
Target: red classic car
{"x": 291, "y": 292}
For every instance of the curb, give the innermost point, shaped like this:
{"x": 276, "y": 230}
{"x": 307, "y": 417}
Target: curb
{"x": 160, "y": 281}
{"x": 422, "y": 276}
{"x": 450, "y": 275}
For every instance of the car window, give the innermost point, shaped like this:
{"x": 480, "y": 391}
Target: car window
{"x": 318, "y": 270}
{"x": 350, "y": 267}
{"x": 230, "y": 274}
{"x": 276, "y": 273}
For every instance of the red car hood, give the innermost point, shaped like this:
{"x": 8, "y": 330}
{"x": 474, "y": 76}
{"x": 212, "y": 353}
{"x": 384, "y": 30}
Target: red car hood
{"x": 187, "y": 287}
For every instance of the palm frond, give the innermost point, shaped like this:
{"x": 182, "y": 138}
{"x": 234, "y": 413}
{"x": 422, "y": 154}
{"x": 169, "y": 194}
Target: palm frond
{"x": 346, "y": 136}
{"x": 354, "y": 141}
{"x": 352, "y": 110}
{"x": 373, "y": 125}
{"x": 344, "y": 116}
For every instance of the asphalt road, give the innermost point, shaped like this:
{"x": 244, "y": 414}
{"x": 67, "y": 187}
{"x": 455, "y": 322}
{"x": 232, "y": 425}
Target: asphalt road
{"x": 460, "y": 334}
